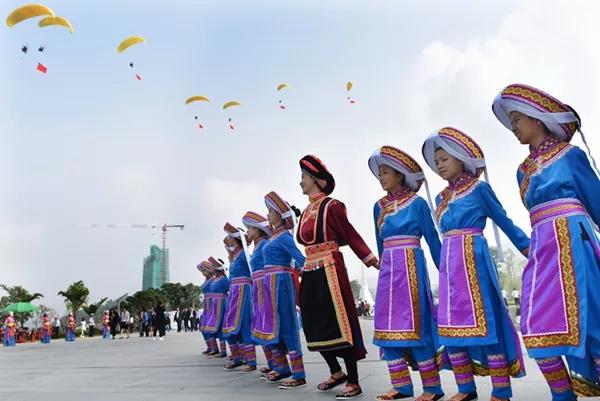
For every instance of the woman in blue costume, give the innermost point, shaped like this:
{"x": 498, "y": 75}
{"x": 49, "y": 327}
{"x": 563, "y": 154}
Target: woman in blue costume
{"x": 279, "y": 327}
{"x": 219, "y": 289}
{"x": 259, "y": 232}
{"x": 210, "y": 338}
{"x": 405, "y": 327}
{"x": 237, "y": 325}
{"x": 473, "y": 322}
{"x": 561, "y": 302}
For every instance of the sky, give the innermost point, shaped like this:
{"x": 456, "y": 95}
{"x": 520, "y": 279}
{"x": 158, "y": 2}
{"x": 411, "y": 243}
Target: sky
{"x": 89, "y": 144}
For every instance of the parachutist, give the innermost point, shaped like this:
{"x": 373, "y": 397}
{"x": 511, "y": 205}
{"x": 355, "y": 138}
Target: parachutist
{"x": 24, "y": 49}
{"x": 131, "y": 65}
{"x": 41, "y": 49}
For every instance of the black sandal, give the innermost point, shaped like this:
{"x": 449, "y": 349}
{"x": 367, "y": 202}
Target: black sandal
{"x": 336, "y": 382}
{"x": 346, "y": 395}
{"x": 287, "y": 384}
{"x": 397, "y": 396}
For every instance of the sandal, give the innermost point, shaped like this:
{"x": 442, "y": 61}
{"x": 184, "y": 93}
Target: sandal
{"x": 464, "y": 397}
{"x": 346, "y": 395}
{"x": 431, "y": 397}
{"x": 396, "y": 396}
{"x": 233, "y": 365}
{"x": 332, "y": 382}
{"x": 275, "y": 378}
{"x": 293, "y": 383}
{"x": 264, "y": 370}
{"x": 499, "y": 399}
{"x": 247, "y": 369}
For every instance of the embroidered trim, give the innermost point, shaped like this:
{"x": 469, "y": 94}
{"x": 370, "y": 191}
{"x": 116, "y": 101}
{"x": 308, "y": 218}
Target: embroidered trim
{"x": 415, "y": 333}
{"x": 448, "y": 196}
{"x": 311, "y": 216}
{"x": 533, "y": 166}
{"x": 481, "y": 327}
{"x": 393, "y": 207}
{"x": 569, "y": 286}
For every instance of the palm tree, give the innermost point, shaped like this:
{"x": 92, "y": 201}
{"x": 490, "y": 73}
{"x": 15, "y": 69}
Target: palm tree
{"x": 91, "y": 309}
{"x": 18, "y": 294}
{"x": 75, "y": 296}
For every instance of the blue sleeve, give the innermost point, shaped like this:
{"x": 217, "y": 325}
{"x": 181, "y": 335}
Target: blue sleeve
{"x": 292, "y": 250}
{"x": 376, "y": 212}
{"x": 496, "y": 212}
{"x": 430, "y": 232}
{"x": 226, "y": 284}
{"x": 587, "y": 184}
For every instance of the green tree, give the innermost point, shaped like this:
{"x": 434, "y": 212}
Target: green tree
{"x": 75, "y": 296}
{"x": 146, "y": 299}
{"x": 18, "y": 294}
{"x": 91, "y": 309}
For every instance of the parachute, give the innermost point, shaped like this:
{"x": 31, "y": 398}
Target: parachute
{"x": 349, "y": 86}
{"x": 26, "y": 12}
{"x": 230, "y": 104}
{"x": 128, "y": 42}
{"x": 281, "y": 87}
{"x": 192, "y": 99}
{"x": 59, "y": 21}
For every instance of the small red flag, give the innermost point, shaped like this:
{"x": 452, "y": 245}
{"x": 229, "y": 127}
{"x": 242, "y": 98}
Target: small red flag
{"x": 42, "y": 68}
{"x": 138, "y": 77}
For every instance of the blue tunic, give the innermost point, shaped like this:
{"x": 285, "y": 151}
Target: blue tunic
{"x": 552, "y": 178}
{"x": 237, "y": 324}
{"x": 403, "y": 308}
{"x": 281, "y": 251}
{"x": 471, "y": 310}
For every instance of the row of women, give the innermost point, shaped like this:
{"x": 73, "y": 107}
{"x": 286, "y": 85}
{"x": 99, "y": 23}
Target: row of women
{"x": 470, "y": 331}
{"x": 9, "y": 333}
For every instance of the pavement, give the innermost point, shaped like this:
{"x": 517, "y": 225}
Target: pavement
{"x": 139, "y": 369}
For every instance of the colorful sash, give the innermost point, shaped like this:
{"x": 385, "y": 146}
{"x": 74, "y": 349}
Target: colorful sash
{"x": 211, "y": 318}
{"x": 460, "y": 312}
{"x": 550, "y": 305}
{"x": 397, "y": 309}
{"x": 237, "y": 292}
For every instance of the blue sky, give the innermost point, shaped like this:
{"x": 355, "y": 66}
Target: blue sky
{"x": 88, "y": 143}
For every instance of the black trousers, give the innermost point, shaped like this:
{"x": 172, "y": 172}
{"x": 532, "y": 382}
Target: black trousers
{"x": 349, "y": 360}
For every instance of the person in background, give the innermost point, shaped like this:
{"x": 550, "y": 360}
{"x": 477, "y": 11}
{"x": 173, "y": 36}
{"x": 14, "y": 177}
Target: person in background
{"x": 124, "y": 322}
{"x": 46, "y": 329}
{"x": 9, "y": 331}
{"x": 70, "y": 328}
{"x": 82, "y": 326}
{"x": 159, "y": 321}
{"x": 114, "y": 323}
{"x": 91, "y": 326}
{"x": 516, "y": 298}
{"x": 55, "y": 327}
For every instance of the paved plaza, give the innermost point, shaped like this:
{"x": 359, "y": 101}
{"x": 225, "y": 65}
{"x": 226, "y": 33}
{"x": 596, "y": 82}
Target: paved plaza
{"x": 139, "y": 369}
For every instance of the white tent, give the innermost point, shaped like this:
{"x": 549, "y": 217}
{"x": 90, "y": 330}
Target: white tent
{"x": 365, "y": 293}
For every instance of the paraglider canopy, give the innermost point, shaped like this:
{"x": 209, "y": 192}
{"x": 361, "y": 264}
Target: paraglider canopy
{"x": 57, "y": 21}
{"x": 282, "y": 86}
{"x": 198, "y": 98}
{"x": 128, "y": 42}
{"x": 349, "y": 86}
{"x": 230, "y": 104}
{"x": 26, "y": 12}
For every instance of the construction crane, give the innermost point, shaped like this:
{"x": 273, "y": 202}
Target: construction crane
{"x": 162, "y": 227}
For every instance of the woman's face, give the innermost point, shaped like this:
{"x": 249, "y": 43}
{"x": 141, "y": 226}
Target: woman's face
{"x": 390, "y": 179}
{"x": 308, "y": 184}
{"x": 526, "y": 129}
{"x": 449, "y": 167}
{"x": 253, "y": 234}
{"x": 274, "y": 217}
{"x": 230, "y": 241}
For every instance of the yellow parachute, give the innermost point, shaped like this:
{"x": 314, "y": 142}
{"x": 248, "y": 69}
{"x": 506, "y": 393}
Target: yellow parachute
{"x": 282, "y": 86}
{"x": 25, "y": 12}
{"x": 128, "y": 42}
{"x": 61, "y": 21}
{"x": 349, "y": 86}
{"x": 231, "y": 103}
{"x": 192, "y": 99}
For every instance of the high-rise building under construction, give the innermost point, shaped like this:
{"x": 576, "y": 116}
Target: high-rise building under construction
{"x": 156, "y": 268}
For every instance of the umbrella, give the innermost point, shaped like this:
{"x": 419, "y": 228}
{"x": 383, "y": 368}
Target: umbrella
{"x": 20, "y": 307}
